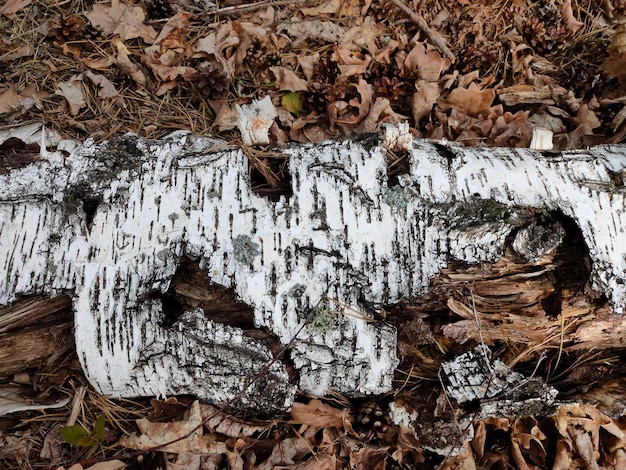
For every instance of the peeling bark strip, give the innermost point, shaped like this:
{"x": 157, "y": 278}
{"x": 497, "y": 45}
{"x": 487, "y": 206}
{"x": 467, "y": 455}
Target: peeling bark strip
{"x": 111, "y": 222}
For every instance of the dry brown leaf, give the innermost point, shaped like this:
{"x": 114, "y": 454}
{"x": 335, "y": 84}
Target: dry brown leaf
{"x": 330, "y": 7}
{"x": 615, "y": 63}
{"x": 290, "y": 450}
{"x": 471, "y": 101}
{"x": 9, "y": 99}
{"x": 307, "y": 64}
{"x": 342, "y": 113}
{"x": 364, "y": 37}
{"x": 319, "y": 30}
{"x": 165, "y": 87}
{"x": 585, "y": 447}
{"x": 225, "y": 115}
{"x": 573, "y": 25}
{"x": 319, "y": 415}
{"x": 220, "y": 422}
{"x": 106, "y": 89}
{"x": 125, "y": 21}
{"x": 372, "y": 459}
{"x": 124, "y": 62}
{"x": 22, "y": 50}
{"x": 163, "y": 435}
{"x": 229, "y": 44}
{"x": 174, "y": 31}
{"x": 11, "y": 7}
{"x": 423, "y": 100}
{"x": 72, "y": 91}
{"x": 424, "y": 65}
{"x": 101, "y": 63}
{"x": 165, "y": 73}
{"x": 346, "y": 56}
{"x": 380, "y": 112}
{"x": 288, "y": 80}
{"x": 562, "y": 455}
{"x": 511, "y": 130}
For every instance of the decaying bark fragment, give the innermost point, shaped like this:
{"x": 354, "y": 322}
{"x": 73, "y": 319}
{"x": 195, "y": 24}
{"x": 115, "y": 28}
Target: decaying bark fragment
{"x": 111, "y": 223}
{"x": 499, "y": 390}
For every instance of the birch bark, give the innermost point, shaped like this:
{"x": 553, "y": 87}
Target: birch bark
{"x": 109, "y": 223}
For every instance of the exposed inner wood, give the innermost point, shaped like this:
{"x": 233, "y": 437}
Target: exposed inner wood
{"x": 191, "y": 288}
{"x": 34, "y": 332}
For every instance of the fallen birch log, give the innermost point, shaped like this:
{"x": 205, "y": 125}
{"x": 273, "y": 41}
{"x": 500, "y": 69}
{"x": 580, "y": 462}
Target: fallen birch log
{"x": 110, "y": 223}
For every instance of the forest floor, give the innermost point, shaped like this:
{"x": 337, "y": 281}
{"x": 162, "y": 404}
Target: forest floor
{"x": 474, "y": 72}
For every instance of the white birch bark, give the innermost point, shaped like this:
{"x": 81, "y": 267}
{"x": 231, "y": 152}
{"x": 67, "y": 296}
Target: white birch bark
{"x": 344, "y": 234}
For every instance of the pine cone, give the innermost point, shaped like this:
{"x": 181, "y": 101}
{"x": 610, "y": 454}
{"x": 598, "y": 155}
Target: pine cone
{"x": 66, "y": 28}
{"x": 373, "y": 423}
{"x": 213, "y": 82}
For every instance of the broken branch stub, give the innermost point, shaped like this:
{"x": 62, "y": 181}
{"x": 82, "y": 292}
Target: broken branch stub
{"x": 111, "y": 222}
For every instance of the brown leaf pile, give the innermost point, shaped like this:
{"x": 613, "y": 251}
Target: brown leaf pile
{"x": 99, "y": 69}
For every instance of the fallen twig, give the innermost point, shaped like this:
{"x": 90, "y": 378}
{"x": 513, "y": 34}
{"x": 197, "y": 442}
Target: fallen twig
{"x": 432, "y": 35}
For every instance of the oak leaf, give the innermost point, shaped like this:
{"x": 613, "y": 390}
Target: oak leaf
{"x": 471, "y": 101}
{"x": 72, "y": 91}
{"x": 184, "y": 436}
{"x": 426, "y": 65}
{"x": 423, "y": 100}
{"x": 125, "y": 21}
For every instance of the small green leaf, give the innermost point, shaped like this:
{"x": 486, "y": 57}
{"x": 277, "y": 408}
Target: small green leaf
{"x": 292, "y": 102}
{"x": 76, "y": 435}
{"x": 98, "y": 430}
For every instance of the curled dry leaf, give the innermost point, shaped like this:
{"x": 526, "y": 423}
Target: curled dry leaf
{"x": 124, "y": 62}
{"x": 123, "y": 20}
{"x": 342, "y": 113}
{"x": 174, "y": 31}
{"x": 307, "y": 64}
{"x": 229, "y": 44}
{"x": 423, "y": 100}
{"x": 573, "y": 25}
{"x": 72, "y": 91}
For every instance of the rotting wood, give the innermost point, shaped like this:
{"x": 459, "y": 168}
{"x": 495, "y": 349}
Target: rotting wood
{"x": 111, "y": 222}
{"x": 34, "y": 332}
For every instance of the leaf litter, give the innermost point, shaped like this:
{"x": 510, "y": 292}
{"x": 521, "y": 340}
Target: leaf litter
{"x": 477, "y": 73}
